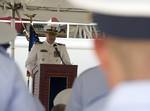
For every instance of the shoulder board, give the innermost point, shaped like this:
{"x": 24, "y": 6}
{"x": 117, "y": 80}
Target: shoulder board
{"x": 60, "y": 44}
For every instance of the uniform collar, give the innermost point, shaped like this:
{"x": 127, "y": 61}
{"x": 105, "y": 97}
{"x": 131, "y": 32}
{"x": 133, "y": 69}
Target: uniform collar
{"x": 49, "y": 43}
{"x": 129, "y": 95}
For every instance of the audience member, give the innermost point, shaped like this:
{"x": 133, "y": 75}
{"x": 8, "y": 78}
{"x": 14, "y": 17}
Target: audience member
{"x": 87, "y": 88}
{"x": 59, "y": 107}
{"x": 14, "y": 95}
{"x": 125, "y": 51}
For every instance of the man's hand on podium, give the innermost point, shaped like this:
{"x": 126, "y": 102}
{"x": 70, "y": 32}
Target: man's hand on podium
{"x": 32, "y": 72}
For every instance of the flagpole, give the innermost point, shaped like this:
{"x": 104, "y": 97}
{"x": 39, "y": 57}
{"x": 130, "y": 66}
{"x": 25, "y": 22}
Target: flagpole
{"x": 30, "y": 40}
{"x": 14, "y": 7}
{"x": 12, "y": 26}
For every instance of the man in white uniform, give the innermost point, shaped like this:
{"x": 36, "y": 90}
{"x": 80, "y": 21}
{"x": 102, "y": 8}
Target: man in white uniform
{"x": 14, "y": 95}
{"x": 124, "y": 52}
{"x": 48, "y": 52}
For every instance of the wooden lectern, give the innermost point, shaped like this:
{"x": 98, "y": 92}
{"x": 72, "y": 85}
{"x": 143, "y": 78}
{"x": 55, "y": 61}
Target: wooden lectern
{"x": 52, "y": 79}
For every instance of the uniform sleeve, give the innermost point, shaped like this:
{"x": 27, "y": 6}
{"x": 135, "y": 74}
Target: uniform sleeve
{"x": 31, "y": 61}
{"x": 65, "y": 56}
{"x": 75, "y": 102}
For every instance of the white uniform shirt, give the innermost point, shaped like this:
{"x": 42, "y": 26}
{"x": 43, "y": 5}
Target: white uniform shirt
{"x": 45, "y": 53}
{"x": 128, "y": 96}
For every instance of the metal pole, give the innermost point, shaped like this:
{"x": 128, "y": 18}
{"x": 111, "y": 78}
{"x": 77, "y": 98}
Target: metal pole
{"x": 13, "y": 41}
{"x": 28, "y": 82}
{"x": 13, "y": 26}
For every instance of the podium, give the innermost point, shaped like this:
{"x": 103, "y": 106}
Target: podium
{"x": 51, "y": 79}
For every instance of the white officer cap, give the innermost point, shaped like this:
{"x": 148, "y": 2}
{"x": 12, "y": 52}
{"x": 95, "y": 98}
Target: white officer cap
{"x": 50, "y": 29}
{"x": 6, "y": 33}
{"x": 47, "y": 27}
{"x": 115, "y": 7}
{"x": 127, "y": 19}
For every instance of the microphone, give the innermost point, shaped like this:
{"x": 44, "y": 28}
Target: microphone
{"x": 55, "y": 46}
{"x": 57, "y": 51}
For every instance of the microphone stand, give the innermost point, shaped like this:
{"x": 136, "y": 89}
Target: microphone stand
{"x": 55, "y": 46}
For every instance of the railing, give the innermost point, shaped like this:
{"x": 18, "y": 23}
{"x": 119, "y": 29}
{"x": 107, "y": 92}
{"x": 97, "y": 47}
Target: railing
{"x": 65, "y": 29}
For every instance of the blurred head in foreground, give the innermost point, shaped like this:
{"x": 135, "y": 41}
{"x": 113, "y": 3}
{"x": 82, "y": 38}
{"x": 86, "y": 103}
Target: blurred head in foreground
{"x": 125, "y": 50}
{"x": 59, "y": 107}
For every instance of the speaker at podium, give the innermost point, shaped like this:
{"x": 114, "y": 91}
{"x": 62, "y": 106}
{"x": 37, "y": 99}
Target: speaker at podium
{"x": 52, "y": 79}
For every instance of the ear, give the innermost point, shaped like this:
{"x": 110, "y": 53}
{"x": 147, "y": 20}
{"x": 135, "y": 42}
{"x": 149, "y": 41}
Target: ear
{"x": 101, "y": 52}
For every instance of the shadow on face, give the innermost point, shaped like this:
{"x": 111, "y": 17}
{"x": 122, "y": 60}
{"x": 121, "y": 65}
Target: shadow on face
{"x": 50, "y": 37}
